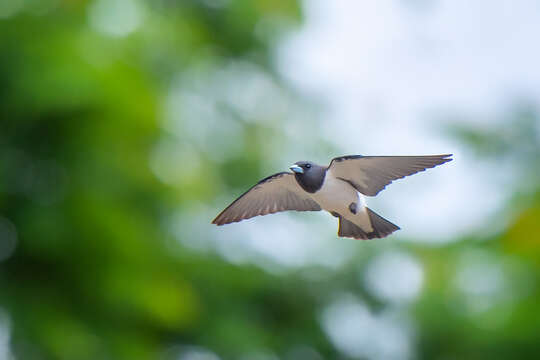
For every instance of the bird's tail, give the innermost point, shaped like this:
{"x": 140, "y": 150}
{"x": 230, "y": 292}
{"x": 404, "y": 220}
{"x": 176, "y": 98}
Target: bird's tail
{"x": 381, "y": 227}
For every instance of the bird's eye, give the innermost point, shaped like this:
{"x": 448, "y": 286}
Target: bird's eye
{"x": 308, "y": 166}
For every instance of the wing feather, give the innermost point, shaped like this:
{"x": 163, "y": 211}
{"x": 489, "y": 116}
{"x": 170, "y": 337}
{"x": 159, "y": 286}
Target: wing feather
{"x": 278, "y": 192}
{"x": 370, "y": 174}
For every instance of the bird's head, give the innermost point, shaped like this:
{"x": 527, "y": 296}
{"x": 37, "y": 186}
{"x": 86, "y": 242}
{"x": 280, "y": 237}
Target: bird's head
{"x": 309, "y": 175}
{"x": 302, "y": 167}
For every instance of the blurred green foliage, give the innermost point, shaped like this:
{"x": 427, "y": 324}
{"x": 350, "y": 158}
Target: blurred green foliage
{"x": 96, "y": 274}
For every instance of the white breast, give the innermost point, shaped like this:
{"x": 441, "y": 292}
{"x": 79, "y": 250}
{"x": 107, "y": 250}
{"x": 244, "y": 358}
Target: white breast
{"x": 335, "y": 195}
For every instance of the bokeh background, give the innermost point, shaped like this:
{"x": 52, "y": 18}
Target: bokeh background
{"x": 127, "y": 125}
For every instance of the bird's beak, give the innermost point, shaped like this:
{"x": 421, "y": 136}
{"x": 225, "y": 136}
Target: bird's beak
{"x": 297, "y": 169}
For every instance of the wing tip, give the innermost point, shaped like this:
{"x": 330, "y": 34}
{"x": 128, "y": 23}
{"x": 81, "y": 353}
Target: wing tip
{"x": 445, "y": 158}
{"x": 220, "y": 222}
{"x": 436, "y": 160}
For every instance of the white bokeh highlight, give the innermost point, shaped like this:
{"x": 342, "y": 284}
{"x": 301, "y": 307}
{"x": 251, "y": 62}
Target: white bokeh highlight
{"x": 196, "y": 353}
{"x": 482, "y": 280}
{"x": 393, "y": 276}
{"x": 116, "y": 18}
{"x": 5, "y": 336}
{"x": 359, "y": 333}
{"x": 10, "y": 8}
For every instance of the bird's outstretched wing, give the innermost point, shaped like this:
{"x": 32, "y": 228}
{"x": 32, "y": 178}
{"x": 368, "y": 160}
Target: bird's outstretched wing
{"x": 278, "y": 192}
{"x": 370, "y": 174}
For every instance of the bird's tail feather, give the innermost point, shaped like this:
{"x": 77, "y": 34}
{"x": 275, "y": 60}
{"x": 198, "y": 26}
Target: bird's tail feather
{"x": 381, "y": 227}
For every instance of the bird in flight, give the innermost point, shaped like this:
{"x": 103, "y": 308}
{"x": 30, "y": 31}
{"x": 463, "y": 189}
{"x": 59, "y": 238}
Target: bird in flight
{"x": 338, "y": 188}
